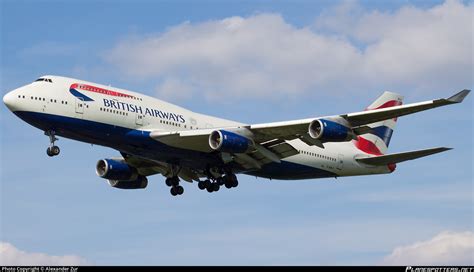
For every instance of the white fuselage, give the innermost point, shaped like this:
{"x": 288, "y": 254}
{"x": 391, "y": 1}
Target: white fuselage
{"x": 80, "y": 100}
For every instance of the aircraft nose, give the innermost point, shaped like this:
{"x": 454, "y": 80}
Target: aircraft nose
{"x": 9, "y": 99}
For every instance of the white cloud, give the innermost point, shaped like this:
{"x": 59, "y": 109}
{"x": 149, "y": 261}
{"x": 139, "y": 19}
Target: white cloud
{"x": 348, "y": 48}
{"x": 446, "y": 248}
{"x": 10, "y": 255}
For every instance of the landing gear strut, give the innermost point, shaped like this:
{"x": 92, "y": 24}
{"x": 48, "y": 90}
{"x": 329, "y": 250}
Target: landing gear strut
{"x": 52, "y": 150}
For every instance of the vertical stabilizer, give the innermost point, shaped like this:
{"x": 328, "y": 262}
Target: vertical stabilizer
{"x": 377, "y": 141}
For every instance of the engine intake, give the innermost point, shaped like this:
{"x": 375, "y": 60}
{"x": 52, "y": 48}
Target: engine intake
{"x": 329, "y": 131}
{"x": 115, "y": 170}
{"x": 230, "y": 142}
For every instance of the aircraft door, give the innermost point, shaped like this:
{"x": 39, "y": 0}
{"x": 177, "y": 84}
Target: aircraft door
{"x": 80, "y": 105}
{"x": 139, "y": 119}
{"x": 340, "y": 161}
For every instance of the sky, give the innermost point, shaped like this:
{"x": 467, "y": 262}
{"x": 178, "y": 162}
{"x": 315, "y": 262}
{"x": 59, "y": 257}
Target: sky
{"x": 254, "y": 62}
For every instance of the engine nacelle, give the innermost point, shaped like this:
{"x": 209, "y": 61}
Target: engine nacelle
{"x": 230, "y": 142}
{"x": 140, "y": 183}
{"x": 329, "y": 131}
{"x": 116, "y": 170}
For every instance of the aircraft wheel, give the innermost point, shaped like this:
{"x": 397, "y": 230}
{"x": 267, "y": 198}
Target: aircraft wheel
{"x": 202, "y": 185}
{"x": 215, "y": 187}
{"x": 48, "y": 151}
{"x": 174, "y": 191}
{"x": 220, "y": 181}
{"x": 180, "y": 190}
{"x": 55, "y": 150}
{"x": 175, "y": 181}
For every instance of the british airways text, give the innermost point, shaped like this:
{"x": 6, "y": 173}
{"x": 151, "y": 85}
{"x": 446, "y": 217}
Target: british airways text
{"x": 146, "y": 111}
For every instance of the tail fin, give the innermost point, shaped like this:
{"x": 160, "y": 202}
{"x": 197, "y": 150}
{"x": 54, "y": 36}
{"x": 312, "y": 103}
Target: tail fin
{"x": 376, "y": 141}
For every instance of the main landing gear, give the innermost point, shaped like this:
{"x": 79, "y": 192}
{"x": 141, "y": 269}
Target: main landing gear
{"x": 176, "y": 189}
{"x": 52, "y": 150}
{"x": 214, "y": 184}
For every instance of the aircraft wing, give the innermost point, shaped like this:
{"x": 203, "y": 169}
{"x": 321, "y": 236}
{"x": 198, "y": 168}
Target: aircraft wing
{"x": 147, "y": 167}
{"x": 261, "y": 153}
{"x": 269, "y": 139}
{"x": 372, "y": 116}
{"x": 357, "y": 121}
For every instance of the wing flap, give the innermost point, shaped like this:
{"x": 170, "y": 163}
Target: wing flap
{"x": 401, "y": 157}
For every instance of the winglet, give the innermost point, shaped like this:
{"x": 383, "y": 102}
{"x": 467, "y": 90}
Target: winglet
{"x": 459, "y": 97}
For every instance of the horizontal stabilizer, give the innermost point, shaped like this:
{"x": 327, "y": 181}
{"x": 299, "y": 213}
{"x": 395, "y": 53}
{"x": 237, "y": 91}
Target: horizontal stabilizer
{"x": 401, "y": 157}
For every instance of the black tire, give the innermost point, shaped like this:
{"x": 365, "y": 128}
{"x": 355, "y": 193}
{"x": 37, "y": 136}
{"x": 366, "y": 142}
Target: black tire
{"x": 175, "y": 181}
{"x": 48, "y": 151}
{"x": 168, "y": 182}
{"x": 215, "y": 187}
{"x": 210, "y": 189}
{"x": 55, "y": 150}
{"x": 202, "y": 185}
{"x": 220, "y": 181}
{"x": 207, "y": 183}
{"x": 180, "y": 190}
{"x": 235, "y": 183}
{"x": 228, "y": 185}
{"x": 174, "y": 191}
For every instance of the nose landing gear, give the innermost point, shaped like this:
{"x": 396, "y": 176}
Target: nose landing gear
{"x": 52, "y": 150}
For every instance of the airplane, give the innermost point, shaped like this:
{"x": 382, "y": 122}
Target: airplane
{"x": 156, "y": 137}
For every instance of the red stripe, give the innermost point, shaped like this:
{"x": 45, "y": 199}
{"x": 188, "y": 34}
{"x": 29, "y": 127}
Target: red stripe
{"x": 367, "y": 146}
{"x": 90, "y": 88}
{"x": 388, "y": 104}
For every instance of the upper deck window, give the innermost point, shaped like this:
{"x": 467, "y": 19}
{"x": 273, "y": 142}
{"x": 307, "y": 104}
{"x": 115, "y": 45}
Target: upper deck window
{"x": 44, "y": 79}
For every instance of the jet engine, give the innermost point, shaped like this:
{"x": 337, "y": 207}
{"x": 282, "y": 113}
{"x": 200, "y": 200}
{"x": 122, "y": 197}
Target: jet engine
{"x": 120, "y": 174}
{"x": 230, "y": 142}
{"x": 329, "y": 131}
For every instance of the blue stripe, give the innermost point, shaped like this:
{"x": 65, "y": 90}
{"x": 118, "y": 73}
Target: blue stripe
{"x": 78, "y": 94}
{"x": 139, "y": 143}
{"x": 384, "y": 133}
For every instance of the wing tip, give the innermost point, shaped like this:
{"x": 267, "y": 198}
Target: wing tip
{"x": 459, "y": 97}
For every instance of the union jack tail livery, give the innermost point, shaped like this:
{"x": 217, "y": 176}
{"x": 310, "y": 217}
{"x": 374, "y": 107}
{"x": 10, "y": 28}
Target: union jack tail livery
{"x": 376, "y": 142}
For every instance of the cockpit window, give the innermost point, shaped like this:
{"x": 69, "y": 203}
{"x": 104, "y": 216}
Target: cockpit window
{"x": 44, "y": 79}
